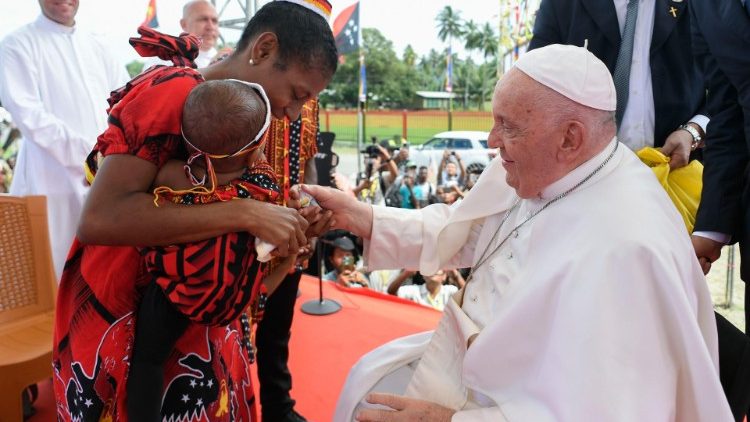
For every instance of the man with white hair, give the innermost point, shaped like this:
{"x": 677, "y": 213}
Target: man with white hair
{"x": 585, "y": 300}
{"x": 199, "y": 18}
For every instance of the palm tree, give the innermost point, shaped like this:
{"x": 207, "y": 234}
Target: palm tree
{"x": 449, "y": 25}
{"x": 488, "y": 41}
{"x": 410, "y": 56}
{"x": 472, "y": 36}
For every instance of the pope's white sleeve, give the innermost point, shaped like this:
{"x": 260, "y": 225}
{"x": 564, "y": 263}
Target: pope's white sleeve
{"x": 484, "y": 414}
{"x": 398, "y": 236}
{"x": 20, "y": 95}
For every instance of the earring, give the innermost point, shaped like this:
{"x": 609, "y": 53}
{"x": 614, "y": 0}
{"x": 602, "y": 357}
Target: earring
{"x": 251, "y": 62}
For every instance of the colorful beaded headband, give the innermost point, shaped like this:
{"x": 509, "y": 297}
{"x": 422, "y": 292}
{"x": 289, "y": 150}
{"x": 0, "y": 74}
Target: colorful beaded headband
{"x": 321, "y": 7}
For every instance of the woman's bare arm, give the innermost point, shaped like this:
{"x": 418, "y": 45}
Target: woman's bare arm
{"x": 120, "y": 211}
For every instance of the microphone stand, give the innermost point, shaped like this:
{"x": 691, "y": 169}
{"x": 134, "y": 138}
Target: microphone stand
{"x": 321, "y": 306}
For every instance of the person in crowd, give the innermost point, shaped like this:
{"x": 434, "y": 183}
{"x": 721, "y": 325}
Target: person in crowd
{"x": 344, "y": 260}
{"x": 473, "y": 171}
{"x": 55, "y": 78}
{"x": 408, "y": 196}
{"x": 721, "y": 41}
{"x": 199, "y": 18}
{"x": 401, "y": 151}
{"x": 290, "y": 149}
{"x": 447, "y": 195}
{"x": 580, "y": 267}
{"x": 424, "y": 191}
{"x": 379, "y": 175}
{"x": 434, "y": 292}
{"x": 645, "y": 45}
{"x": 288, "y": 48}
{"x": 451, "y": 171}
{"x": 218, "y": 118}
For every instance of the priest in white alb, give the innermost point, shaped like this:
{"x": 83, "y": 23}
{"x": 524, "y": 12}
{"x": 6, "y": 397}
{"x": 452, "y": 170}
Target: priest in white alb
{"x": 55, "y": 80}
{"x": 585, "y": 300}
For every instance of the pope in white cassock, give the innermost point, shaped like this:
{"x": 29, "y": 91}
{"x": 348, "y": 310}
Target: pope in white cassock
{"x": 586, "y": 302}
{"x": 55, "y": 80}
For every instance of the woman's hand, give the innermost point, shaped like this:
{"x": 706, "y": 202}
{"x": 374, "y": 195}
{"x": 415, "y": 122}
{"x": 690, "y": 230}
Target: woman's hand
{"x": 280, "y": 226}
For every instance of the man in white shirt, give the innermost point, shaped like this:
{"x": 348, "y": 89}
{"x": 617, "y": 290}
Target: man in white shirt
{"x": 586, "y": 301}
{"x": 199, "y": 18}
{"x": 646, "y": 46}
{"x": 55, "y": 80}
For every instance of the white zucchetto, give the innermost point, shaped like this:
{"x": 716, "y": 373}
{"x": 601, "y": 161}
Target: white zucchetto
{"x": 573, "y": 72}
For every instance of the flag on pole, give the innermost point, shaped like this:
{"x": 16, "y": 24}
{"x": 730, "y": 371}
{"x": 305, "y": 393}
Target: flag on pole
{"x": 346, "y": 29}
{"x": 362, "y": 78}
{"x": 449, "y": 71}
{"x": 151, "y": 21}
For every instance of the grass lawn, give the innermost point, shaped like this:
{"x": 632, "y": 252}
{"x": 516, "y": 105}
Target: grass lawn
{"x": 420, "y": 126}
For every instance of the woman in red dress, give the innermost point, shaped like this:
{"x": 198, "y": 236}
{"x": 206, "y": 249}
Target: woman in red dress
{"x": 289, "y": 50}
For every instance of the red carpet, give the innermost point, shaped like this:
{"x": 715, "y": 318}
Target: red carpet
{"x": 324, "y": 348}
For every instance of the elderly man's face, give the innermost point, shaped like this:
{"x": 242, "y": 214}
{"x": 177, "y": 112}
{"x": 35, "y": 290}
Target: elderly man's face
{"x": 202, "y": 20}
{"x": 523, "y": 135}
{"x": 60, "y": 11}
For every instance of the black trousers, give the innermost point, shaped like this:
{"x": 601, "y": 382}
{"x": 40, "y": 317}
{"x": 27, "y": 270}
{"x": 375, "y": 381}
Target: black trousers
{"x": 272, "y": 339}
{"x": 157, "y": 329}
{"x": 734, "y": 366}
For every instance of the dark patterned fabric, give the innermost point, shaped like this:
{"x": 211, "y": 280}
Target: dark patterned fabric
{"x": 211, "y": 281}
{"x": 290, "y": 145}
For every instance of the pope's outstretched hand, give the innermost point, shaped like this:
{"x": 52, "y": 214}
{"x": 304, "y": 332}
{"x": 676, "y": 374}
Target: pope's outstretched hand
{"x": 348, "y": 213}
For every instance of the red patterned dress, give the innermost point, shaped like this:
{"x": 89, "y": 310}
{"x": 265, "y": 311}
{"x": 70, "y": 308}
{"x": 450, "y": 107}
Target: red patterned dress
{"x": 207, "y": 377}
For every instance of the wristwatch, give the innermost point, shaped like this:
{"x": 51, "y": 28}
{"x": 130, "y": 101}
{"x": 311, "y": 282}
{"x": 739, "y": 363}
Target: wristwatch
{"x": 697, "y": 138}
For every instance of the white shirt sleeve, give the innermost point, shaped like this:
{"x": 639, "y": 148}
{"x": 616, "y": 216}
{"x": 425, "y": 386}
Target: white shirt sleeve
{"x": 403, "y": 238}
{"x": 20, "y": 95}
{"x": 715, "y": 236}
{"x": 701, "y": 121}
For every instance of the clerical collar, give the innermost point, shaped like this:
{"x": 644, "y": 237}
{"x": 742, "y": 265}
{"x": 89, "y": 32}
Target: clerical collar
{"x": 575, "y": 176}
{"x": 48, "y": 24}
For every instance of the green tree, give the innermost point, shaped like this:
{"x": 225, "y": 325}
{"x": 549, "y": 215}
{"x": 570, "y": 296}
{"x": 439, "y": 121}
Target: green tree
{"x": 449, "y": 25}
{"x": 472, "y": 35}
{"x": 410, "y": 56}
{"x": 432, "y": 69}
{"x": 488, "y": 41}
{"x": 391, "y": 83}
{"x": 134, "y": 68}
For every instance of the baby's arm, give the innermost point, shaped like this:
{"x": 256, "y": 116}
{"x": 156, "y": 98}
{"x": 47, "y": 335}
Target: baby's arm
{"x": 276, "y": 276}
{"x": 172, "y": 175}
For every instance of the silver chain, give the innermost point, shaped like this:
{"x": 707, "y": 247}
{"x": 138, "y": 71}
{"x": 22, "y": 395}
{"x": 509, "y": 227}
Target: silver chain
{"x": 485, "y": 256}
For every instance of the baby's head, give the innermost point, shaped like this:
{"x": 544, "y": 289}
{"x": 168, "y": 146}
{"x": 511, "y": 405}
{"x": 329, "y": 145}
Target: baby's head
{"x": 225, "y": 116}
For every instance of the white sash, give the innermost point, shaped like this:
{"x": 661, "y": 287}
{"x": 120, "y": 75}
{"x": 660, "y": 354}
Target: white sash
{"x": 438, "y": 377}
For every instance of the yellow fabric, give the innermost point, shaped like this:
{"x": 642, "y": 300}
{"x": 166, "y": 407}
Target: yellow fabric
{"x": 683, "y": 185}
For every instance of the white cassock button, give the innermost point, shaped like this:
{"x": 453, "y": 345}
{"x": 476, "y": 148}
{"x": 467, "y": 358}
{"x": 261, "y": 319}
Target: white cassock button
{"x": 475, "y": 298}
{"x": 492, "y": 267}
{"x": 515, "y": 234}
{"x": 510, "y": 255}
